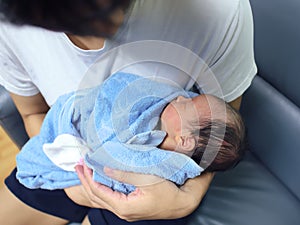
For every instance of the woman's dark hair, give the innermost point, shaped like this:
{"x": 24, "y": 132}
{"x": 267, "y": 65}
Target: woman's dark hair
{"x": 229, "y": 146}
{"x": 80, "y": 17}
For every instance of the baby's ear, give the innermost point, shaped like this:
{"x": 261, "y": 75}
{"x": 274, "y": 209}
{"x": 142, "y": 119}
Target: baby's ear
{"x": 187, "y": 143}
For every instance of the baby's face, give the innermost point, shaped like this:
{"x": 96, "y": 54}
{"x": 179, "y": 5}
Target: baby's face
{"x": 178, "y": 116}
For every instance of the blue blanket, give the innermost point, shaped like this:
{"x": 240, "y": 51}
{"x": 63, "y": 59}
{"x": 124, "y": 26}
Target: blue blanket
{"x": 116, "y": 121}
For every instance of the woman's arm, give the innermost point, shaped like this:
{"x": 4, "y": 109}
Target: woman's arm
{"x": 33, "y": 110}
{"x": 236, "y": 103}
{"x": 142, "y": 204}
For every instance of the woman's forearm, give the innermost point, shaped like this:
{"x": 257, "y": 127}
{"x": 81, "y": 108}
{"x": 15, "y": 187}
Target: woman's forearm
{"x": 160, "y": 200}
{"x": 33, "y": 110}
{"x": 33, "y": 123}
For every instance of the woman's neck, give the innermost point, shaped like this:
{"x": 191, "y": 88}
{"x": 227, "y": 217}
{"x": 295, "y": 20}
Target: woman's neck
{"x": 87, "y": 42}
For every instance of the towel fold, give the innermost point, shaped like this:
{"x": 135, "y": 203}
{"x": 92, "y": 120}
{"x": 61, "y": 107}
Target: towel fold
{"x": 111, "y": 125}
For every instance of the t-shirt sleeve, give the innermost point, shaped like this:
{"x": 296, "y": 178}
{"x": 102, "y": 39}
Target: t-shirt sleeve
{"x": 234, "y": 65}
{"x": 13, "y": 75}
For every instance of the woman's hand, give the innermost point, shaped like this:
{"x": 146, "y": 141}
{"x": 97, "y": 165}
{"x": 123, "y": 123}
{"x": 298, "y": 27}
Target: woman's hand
{"x": 154, "y": 198}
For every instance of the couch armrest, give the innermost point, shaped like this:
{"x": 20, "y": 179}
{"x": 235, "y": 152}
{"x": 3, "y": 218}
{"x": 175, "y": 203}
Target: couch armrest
{"x": 10, "y": 119}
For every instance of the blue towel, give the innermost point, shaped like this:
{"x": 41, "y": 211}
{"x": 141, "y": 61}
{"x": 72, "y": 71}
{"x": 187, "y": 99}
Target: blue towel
{"x": 116, "y": 121}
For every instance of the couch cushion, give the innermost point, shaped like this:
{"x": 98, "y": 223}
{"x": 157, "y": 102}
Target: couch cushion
{"x": 277, "y": 47}
{"x": 273, "y": 124}
{"x": 11, "y": 120}
{"x": 249, "y": 194}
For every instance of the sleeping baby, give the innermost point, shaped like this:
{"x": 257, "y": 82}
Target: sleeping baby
{"x": 135, "y": 124}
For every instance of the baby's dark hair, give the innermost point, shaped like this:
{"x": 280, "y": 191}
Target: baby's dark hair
{"x": 226, "y": 138}
{"x": 81, "y": 17}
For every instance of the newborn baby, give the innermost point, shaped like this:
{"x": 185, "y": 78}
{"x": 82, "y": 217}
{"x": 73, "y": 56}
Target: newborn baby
{"x": 125, "y": 124}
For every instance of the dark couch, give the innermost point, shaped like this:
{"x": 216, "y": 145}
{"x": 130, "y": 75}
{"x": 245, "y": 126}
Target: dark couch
{"x": 264, "y": 189}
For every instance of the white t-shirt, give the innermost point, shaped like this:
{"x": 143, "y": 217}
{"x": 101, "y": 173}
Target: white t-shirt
{"x": 207, "y": 41}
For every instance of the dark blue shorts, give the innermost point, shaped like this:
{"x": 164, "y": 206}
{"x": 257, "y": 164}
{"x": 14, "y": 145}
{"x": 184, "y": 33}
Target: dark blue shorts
{"x": 55, "y": 202}
{"x": 104, "y": 217}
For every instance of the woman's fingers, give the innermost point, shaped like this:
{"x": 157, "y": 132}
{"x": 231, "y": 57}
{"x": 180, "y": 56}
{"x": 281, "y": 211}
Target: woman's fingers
{"x": 86, "y": 177}
{"x": 152, "y": 191}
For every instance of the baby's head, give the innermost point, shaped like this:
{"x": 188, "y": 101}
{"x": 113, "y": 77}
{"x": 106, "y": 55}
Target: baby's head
{"x": 205, "y": 128}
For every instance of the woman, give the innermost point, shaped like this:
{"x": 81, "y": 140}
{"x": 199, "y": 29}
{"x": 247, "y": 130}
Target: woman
{"x": 207, "y": 44}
